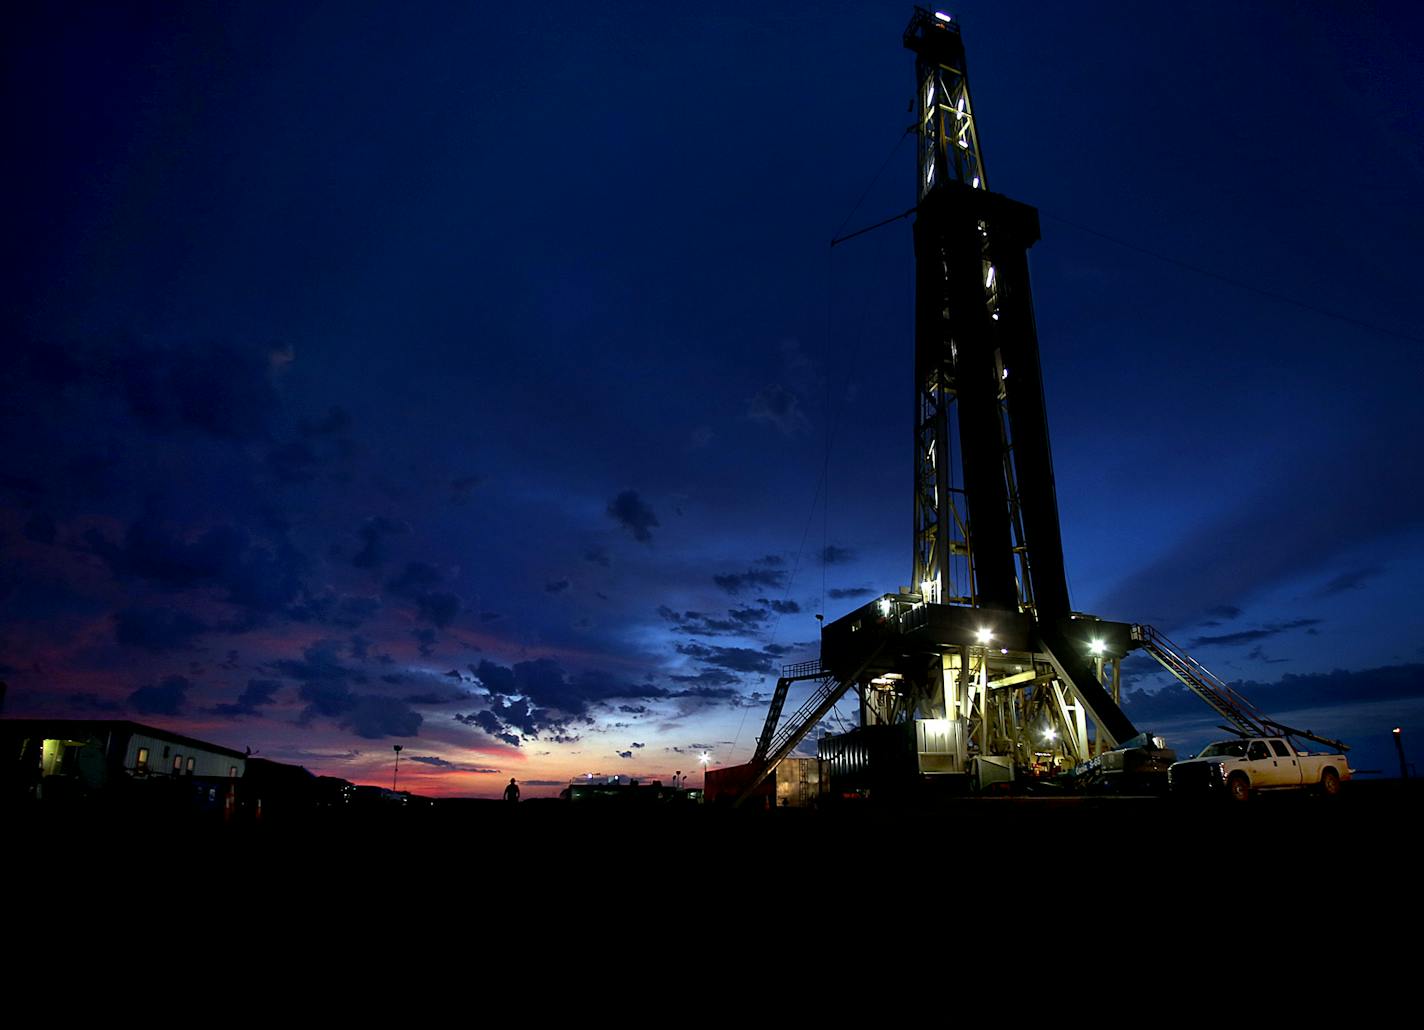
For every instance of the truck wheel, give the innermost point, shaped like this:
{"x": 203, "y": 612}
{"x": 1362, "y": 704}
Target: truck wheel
{"x": 1329, "y": 782}
{"x": 1239, "y": 788}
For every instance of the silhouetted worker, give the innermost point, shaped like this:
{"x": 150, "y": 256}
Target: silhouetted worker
{"x": 511, "y": 793}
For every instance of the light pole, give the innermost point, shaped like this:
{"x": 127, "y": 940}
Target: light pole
{"x": 395, "y": 778}
{"x": 706, "y": 760}
{"x": 1399, "y": 746}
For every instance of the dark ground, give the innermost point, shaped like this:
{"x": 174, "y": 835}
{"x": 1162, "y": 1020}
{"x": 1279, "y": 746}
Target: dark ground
{"x": 1288, "y": 893}
{"x": 1370, "y": 834}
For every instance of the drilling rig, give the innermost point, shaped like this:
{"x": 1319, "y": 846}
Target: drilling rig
{"x": 978, "y": 672}
{"x": 978, "y": 675}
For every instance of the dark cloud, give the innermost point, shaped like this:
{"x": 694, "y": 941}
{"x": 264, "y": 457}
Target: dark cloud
{"x": 441, "y": 763}
{"x": 833, "y": 555}
{"x": 778, "y": 407}
{"x": 1219, "y": 614}
{"x": 431, "y": 698}
{"x": 1352, "y": 580}
{"x": 747, "y": 617}
{"x": 625, "y": 754}
{"x": 1258, "y": 653}
{"x": 156, "y": 629}
{"x": 320, "y": 663}
{"x": 166, "y": 698}
{"x": 730, "y": 659}
{"x": 332, "y": 609}
{"x": 374, "y": 716}
{"x": 636, "y": 745}
{"x": 630, "y": 512}
{"x": 597, "y": 556}
{"x": 321, "y": 442}
{"x": 438, "y": 608}
{"x": 89, "y": 702}
{"x": 261, "y": 576}
{"x": 330, "y": 699}
{"x": 540, "y": 700}
{"x": 557, "y": 587}
{"x": 1249, "y": 635}
{"x": 374, "y": 534}
{"x": 737, "y": 622}
{"x": 491, "y": 724}
{"x": 427, "y": 638}
{"x": 220, "y": 389}
{"x": 417, "y": 582}
{"x": 843, "y": 593}
{"x": 1341, "y": 687}
{"x": 735, "y": 583}
{"x": 634, "y": 709}
{"x": 545, "y": 683}
{"x": 325, "y": 686}
{"x": 257, "y": 694}
{"x": 414, "y": 579}
{"x": 707, "y": 679}
{"x": 780, "y": 607}
{"x": 708, "y": 693}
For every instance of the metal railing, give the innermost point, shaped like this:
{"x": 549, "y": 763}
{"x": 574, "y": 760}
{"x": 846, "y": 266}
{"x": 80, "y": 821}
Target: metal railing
{"x": 801, "y": 670}
{"x": 1219, "y": 695}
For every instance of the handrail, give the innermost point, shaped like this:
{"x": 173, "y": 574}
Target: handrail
{"x": 1219, "y": 695}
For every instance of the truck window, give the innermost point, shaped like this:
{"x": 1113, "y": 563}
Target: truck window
{"x": 1224, "y": 749}
{"x": 1279, "y": 747}
{"x": 1257, "y": 751}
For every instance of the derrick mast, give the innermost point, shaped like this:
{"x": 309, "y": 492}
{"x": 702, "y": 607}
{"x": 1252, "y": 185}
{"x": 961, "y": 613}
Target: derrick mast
{"x": 980, "y": 669}
{"x": 991, "y": 538}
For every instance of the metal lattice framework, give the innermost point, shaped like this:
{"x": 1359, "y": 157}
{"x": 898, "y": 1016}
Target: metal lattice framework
{"x": 950, "y": 153}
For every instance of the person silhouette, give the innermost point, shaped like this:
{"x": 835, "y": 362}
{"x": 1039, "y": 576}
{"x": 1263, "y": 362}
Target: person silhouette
{"x": 511, "y": 793}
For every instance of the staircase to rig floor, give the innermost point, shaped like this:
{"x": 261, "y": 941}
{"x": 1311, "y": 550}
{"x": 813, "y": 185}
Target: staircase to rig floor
{"x": 1246, "y": 719}
{"x": 776, "y": 743}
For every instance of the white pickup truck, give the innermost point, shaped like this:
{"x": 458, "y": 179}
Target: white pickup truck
{"x": 1238, "y": 767}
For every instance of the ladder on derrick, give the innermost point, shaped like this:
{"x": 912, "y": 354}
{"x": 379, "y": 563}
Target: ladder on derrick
{"x": 1246, "y": 719}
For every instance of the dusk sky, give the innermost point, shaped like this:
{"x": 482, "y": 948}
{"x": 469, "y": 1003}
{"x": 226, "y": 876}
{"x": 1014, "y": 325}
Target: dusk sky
{"x": 480, "y": 379}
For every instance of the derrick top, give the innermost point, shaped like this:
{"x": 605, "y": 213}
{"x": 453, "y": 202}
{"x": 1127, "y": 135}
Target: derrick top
{"x": 931, "y": 33}
{"x": 949, "y": 137}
